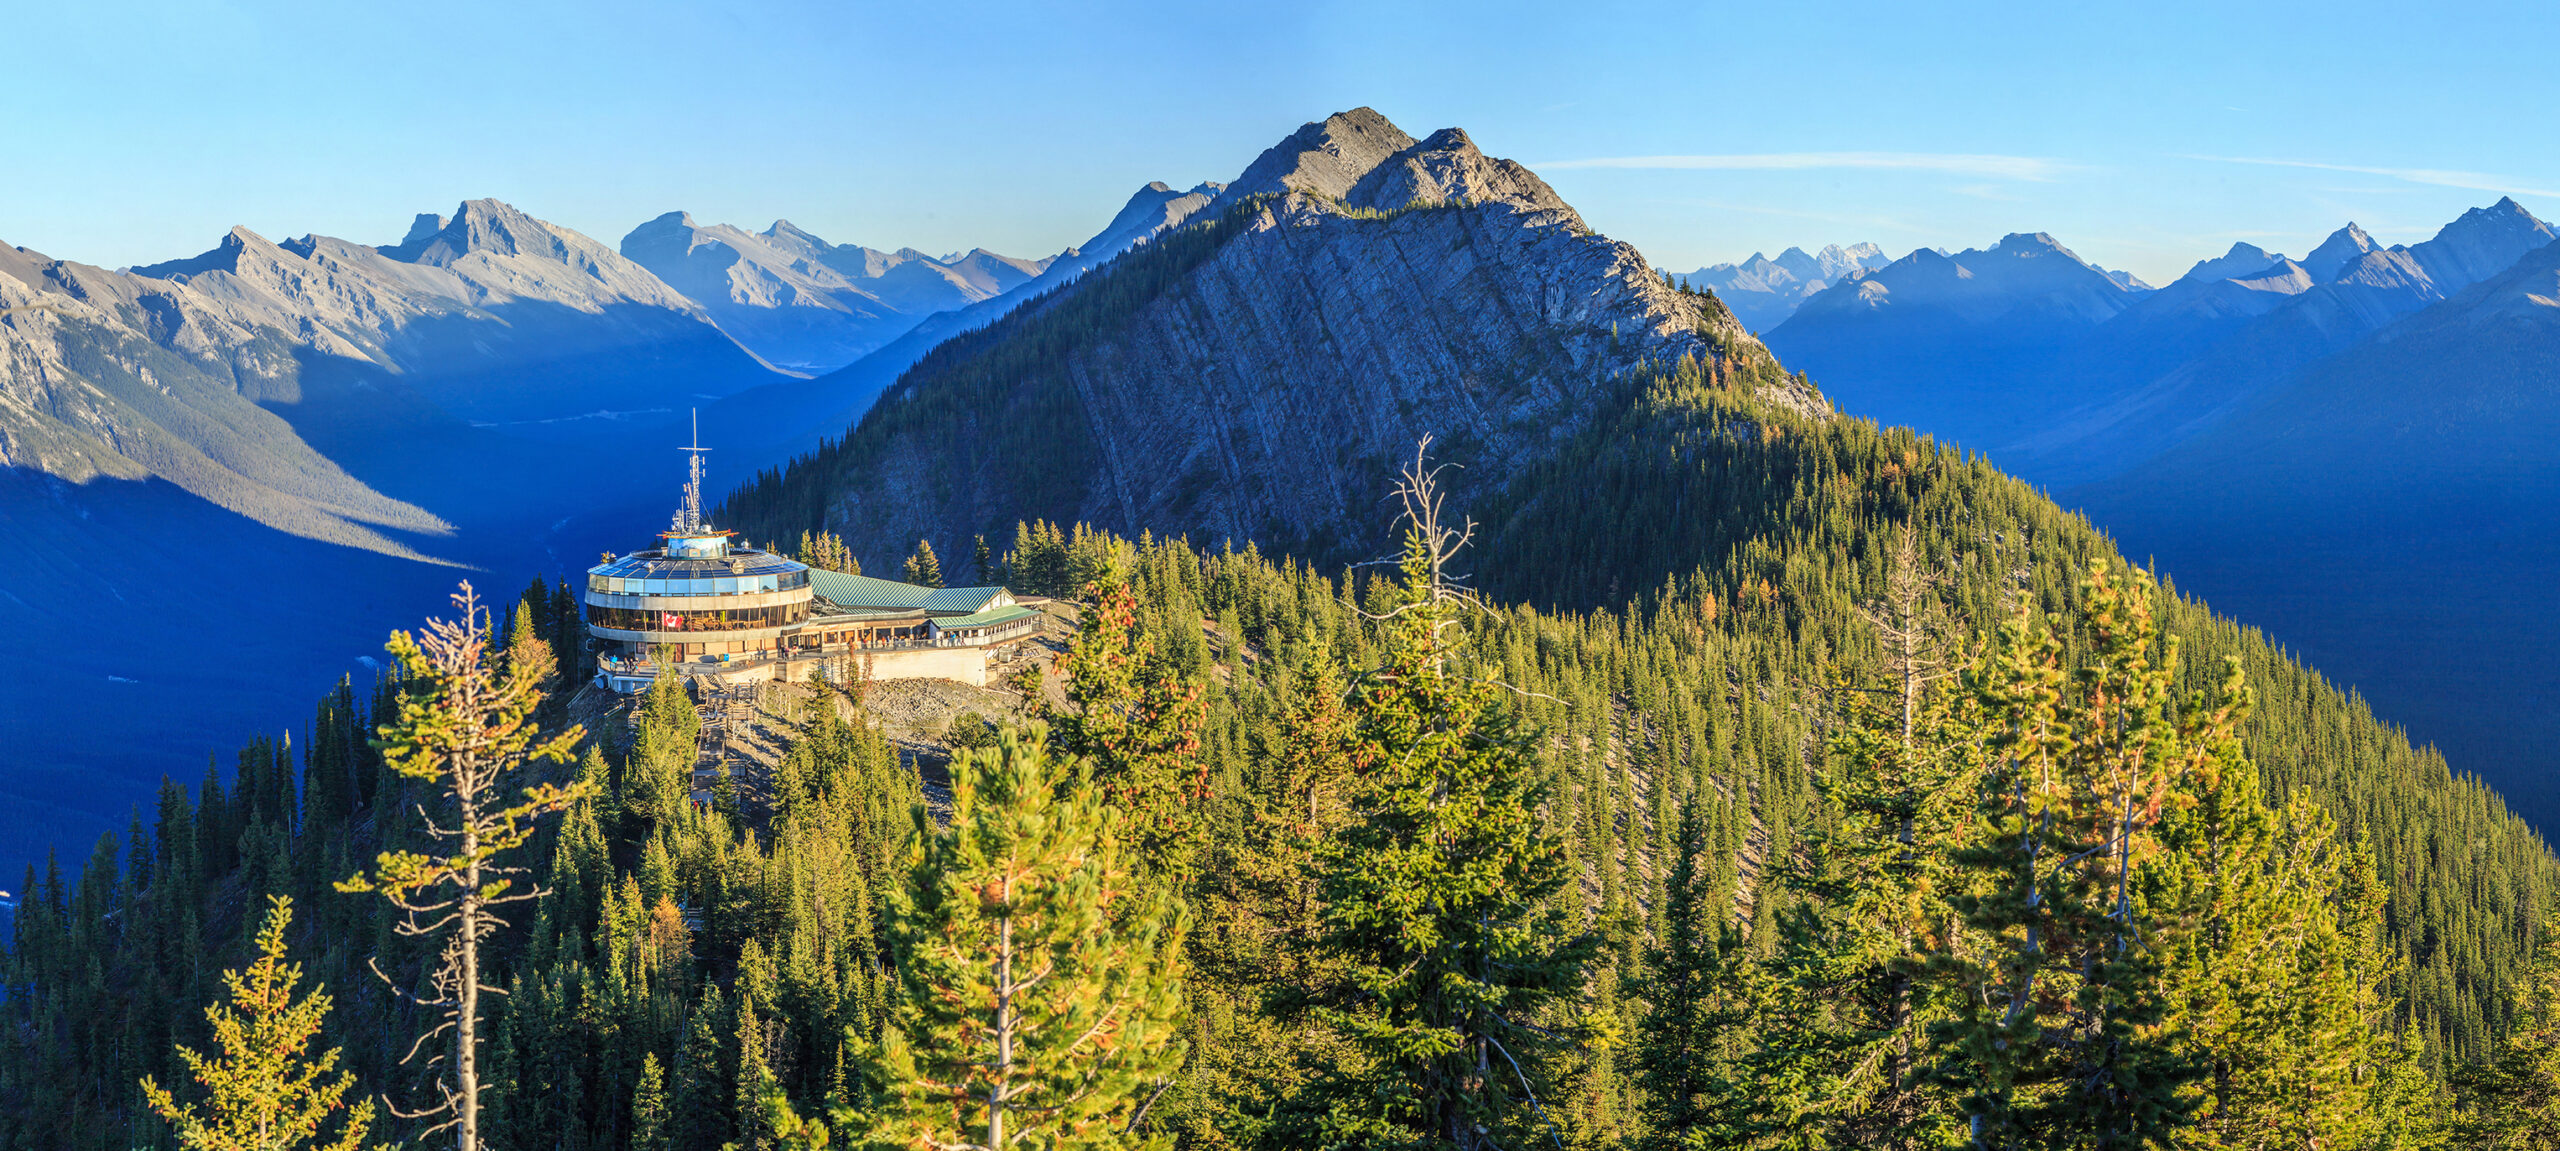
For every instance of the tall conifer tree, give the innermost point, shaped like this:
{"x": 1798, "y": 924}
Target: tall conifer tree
{"x": 1034, "y": 1012}
{"x": 1440, "y": 893}
{"x": 2055, "y": 1035}
{"x": 923, "y": 568}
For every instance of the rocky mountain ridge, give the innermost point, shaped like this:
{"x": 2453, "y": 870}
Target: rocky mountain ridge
{"x": 808, "y": 305}
{"x": 1252, "y": 376}
{"x": 191, "y": 370}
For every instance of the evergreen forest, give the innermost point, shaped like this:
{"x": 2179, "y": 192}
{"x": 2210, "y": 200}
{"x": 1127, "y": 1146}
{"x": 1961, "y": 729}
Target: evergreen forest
{"x": 1796, "y": 784}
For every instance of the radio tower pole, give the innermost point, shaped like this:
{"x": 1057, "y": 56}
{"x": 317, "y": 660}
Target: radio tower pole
{"x": 691, "y": 520}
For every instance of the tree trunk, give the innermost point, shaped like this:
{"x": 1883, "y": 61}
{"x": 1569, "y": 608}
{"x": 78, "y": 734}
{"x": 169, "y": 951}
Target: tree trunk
{"x": 466, "y": 1063}
{"x": 998, "y": 1093}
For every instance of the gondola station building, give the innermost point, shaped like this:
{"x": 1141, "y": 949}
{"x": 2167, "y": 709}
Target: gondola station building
{"x": 703, "y": 607}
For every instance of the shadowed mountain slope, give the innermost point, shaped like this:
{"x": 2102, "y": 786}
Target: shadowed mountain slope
{"x": 1252, "y": 375}
{"x": 2391, "y": 510}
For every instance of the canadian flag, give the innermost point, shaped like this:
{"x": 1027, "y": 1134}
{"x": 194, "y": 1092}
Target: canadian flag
{"x": 671, "y": 621}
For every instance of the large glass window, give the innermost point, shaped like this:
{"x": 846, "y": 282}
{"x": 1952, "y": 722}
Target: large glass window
{"x": 729, "y": 619}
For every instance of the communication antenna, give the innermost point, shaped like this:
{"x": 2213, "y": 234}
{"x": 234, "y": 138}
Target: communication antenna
{"x": 690, "y": 518}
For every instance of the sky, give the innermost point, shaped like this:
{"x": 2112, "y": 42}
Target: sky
{"x": 2144, "y": 137}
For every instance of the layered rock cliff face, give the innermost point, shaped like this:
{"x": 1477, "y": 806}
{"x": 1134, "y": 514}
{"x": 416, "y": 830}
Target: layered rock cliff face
{"x": 781, "y": 419}
{"x": 1259, "y": 376}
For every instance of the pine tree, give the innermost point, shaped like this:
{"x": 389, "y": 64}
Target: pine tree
{"x": 464, "y": 727}
{"x": 2274, "y": 973}
{"x": 1674, "y": 1057}
{"x": 923, "y": 569}
{"x": 1135, "y": 719}
{"x": 263, "y": 1093}
{"x": 649, "y": 1106}
{"x": 1033, "y": 1011}
{"x": 1838, "y": 1014}
{"x": 1441, "y": 893}
{"x": 825, "y": 551}
{"x": 2512, "y": 1101}
{"x": 754, "y": 1081}
{"x": 2054, "y": 1038}
{"x": 982, "y": 564}
{"x": 528, "y": 652}
{"x": 705, "y": 1088}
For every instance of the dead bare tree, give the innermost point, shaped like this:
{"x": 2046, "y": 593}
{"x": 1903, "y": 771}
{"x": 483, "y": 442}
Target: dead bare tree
{"x": 1911, "y": 617}
{"x": 1424, "y": 516}
{"x": 1423, "y": 511}
{"x": 464, "y": 726}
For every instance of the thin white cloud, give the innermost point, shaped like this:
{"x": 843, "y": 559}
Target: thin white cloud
{"x": 2000, "y": 167}
{"x": 2439, "y": 177}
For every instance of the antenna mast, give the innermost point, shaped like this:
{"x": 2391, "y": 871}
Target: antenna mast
{"x": 690, "y": 518}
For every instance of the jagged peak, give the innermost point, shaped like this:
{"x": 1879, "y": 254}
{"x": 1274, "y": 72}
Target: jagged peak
{"x": 483, "y": 225}
{"x": 2343, "y": 248}
{"x": 1324, "y": 157}
{"x": 2020, "y": 241}
{"x": 794, "y": 239}
{"x": 2244, "y": 259}
{"x": 224, "y": 256}
{"x": 1445, "y": 167}
{"x": 2504, "y": 214}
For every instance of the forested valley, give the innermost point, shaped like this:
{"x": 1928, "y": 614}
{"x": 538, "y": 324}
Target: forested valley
{"x": 1750, "y": 778}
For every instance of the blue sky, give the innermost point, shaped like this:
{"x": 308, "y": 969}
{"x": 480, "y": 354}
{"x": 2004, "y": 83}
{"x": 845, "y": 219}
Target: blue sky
{"x": 2144, "y": 137}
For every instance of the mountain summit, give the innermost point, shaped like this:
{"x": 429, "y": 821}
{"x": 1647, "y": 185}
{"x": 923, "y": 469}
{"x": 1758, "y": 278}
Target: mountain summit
{"x": 1360, "y": 160}
{"x": 1355, "y": 288}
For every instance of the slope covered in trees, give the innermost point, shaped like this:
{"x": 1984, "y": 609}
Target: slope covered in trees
{"x": 1815, "y": 784}
{"x": 1684, "y": 757}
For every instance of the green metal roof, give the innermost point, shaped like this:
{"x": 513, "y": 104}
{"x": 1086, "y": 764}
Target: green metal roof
{"x": 862, "y": 614}
{"x": 988, "y": 617}
{"x": 864, "y": 591}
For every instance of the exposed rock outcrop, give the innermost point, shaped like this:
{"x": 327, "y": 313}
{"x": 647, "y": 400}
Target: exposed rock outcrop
{"x": 1260, "y": 378}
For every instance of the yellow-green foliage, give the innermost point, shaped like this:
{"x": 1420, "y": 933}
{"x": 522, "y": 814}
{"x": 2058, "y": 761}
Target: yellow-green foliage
{"x": 263, "y": 1091}
{"x": 1037, "y": 1009}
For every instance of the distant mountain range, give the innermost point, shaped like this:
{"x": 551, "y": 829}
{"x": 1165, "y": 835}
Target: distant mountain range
{"x": 805, "y": 304}
{"x": 197, "y": 454}
{"x": 1763, "y": 292}
{"x": 2354, "y": 448}
{"x": 2068, "y": 373}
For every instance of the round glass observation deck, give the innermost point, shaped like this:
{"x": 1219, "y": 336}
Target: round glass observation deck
{"x": 696, "y": 590}
{"x": 736, "y": 571}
